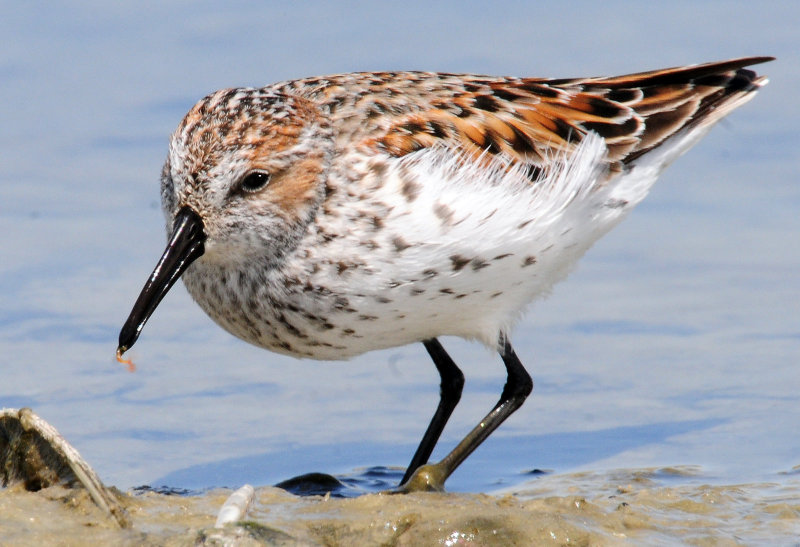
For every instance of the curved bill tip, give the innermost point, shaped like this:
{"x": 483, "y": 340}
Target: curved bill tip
{"x": 131, "y": 366}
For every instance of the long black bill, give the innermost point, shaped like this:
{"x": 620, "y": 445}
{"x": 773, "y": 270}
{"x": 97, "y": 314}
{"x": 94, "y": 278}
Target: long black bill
{"x": 185, "y": 246}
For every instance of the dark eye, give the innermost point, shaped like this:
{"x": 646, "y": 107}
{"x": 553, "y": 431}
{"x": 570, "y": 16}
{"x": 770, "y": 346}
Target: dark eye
{"x": 254, "y": 181}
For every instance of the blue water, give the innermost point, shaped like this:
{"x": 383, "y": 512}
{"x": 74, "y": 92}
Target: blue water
{"x": 676, "y": 341}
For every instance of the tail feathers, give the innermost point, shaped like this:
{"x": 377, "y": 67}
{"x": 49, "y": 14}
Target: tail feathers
{"x": 679, "y": 100}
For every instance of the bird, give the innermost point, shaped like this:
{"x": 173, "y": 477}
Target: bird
{"x": 330, "y": 216}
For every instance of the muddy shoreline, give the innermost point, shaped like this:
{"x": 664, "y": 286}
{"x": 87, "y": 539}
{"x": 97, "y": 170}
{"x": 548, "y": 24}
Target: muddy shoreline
{"x": 52, "y": 496}
{"x": 609, "y": 508}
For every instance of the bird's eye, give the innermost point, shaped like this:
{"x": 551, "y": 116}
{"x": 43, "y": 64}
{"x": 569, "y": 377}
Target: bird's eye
{"x": 254, "y": 181}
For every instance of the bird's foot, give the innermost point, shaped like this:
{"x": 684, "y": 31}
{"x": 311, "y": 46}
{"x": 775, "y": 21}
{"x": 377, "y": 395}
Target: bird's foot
{"x": 427, "y": 478}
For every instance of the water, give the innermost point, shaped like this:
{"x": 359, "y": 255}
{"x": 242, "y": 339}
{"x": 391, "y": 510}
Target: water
{"x": 675, "y": 342}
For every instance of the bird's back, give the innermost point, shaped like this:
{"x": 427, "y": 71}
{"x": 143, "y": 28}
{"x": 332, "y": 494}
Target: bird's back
{"x": 528, "y": 120}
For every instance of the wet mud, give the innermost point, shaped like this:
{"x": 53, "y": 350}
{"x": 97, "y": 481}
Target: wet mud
{"x": 623, "y": 507}
{"x": 51, "y": 496}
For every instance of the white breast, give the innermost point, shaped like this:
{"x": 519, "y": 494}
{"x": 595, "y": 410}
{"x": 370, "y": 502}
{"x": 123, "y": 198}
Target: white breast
{"x": 457, "y": 248}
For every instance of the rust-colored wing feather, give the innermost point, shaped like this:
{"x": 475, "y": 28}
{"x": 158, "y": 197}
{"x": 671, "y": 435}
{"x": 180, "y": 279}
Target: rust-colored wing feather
{"x": 533, "y": 120}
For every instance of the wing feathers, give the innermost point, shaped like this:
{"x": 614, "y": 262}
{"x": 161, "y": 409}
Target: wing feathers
{"x": 530, "y": 120}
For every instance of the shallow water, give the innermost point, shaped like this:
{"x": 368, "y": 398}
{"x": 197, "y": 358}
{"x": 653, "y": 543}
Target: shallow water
{"x": 674, "y": 343}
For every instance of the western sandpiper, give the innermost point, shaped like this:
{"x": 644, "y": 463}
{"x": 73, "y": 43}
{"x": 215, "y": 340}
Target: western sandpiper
{"x": 335, "y": 215}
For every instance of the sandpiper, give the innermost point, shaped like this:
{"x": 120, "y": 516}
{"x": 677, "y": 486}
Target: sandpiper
{"x": 330, "y": 216}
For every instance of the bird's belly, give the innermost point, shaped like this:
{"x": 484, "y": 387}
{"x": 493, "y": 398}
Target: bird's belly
{"x": 337, "y": 314}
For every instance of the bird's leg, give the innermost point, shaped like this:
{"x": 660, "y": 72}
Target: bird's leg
{"x": 518, "y": 386}
{"x": 449, "y": 395}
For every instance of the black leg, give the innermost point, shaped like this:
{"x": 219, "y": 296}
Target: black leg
{"x": 449, "y": 395}
{"x": 518, "y": 386}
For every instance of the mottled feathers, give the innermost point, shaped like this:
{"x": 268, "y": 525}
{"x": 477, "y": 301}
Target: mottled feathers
{"x": 403, "y": 206}
{"x": 528, "y": 120}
